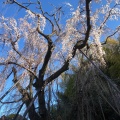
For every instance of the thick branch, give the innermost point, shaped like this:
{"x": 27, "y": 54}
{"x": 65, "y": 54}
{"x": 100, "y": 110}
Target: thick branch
{"x": 31, "y": 103}
{"x": 82, "y": 45}
{"x": 39, "y": 83}
{"x": 47, "y": 58}
{"x": 77, "y": 46}
{"x": 88, "y": 22}
{"x": 48, "y": 54}
{"x": 66, "y": 64}
{"x": 15, "y": 101}
{"x": 57, "y": 73}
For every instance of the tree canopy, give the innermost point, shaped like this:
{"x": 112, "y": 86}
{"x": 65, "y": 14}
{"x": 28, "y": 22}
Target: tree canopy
{"x": 37, "y": 48}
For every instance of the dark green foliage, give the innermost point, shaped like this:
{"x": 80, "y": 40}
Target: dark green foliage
{"x": 66, "y": 107}
{"x": 98, "y": 99}
{"x": 68, "y": 99}
{"x": 11, "y": 117}
{"x": 113, "y": 61}
{"x": 91, "y": 101}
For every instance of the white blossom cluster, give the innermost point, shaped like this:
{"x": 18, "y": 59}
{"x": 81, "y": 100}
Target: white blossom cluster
{"x": 23, "y": 44}
{"x": 71, "y": 35}
{"x": 34, "y": 19}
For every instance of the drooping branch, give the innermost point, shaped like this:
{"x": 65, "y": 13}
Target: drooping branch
{"x": 46, "y": 14}
{"x": 109, "y": 14}
{"x": 8, "y": 75}
{"x": 18, "y": 52}
{"x": 101, "y": 73}
{"x": 6, "y": 93}
{"x": 26, "y": 98}
{"x": 23, "y": 92}
{"x": 20, "y": 65}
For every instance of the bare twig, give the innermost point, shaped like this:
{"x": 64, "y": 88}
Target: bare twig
{"x": 43, "y": 13}
{"x": 14, "y": 101}
{"x": 118, "y": 28}
{"x": 105, "y": 20}
{"x": 22, "y": 6}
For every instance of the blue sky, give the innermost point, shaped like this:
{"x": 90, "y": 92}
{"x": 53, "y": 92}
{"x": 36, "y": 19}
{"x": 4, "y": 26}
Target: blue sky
{"x": 12, "y": 11}
{"x": 48, "y": 5}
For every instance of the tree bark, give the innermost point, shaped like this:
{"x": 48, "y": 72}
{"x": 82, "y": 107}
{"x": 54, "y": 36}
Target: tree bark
{"x": 42, "y": 107}
{"x": 26, "y": 98}
{"x": 32, "y": 113}
{"x": 41, "y": 98}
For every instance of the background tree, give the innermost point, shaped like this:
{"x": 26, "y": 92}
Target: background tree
{"x": 112, "y": 58}
{"x": 86, "y": 95}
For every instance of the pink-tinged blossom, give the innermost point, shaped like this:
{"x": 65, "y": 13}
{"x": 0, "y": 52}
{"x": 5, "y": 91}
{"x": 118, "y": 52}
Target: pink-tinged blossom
{"x": 24, "y": 45}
